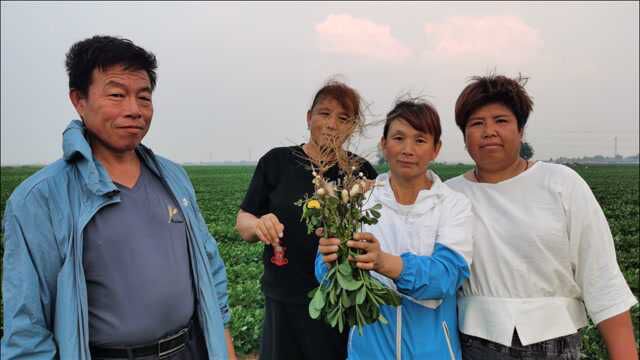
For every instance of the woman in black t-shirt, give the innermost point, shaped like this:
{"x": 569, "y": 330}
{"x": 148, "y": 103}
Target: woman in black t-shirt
{"x": 268, "y": 214}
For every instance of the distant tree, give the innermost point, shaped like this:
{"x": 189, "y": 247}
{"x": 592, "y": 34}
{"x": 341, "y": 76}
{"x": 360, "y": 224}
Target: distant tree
{"x": 526, "y": 151}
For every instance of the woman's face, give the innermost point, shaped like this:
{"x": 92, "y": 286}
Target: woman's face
{"x": 492, "y": 137}
{"x": 328, "y": 121}
{"x": 407, "y": 150}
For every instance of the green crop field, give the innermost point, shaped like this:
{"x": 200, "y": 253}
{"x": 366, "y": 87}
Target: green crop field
{"x": 221, "y": 188}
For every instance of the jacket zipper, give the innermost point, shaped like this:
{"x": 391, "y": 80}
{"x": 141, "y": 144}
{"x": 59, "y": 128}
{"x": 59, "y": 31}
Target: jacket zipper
{"x": 399, "y": 332}
{"x": 448, "y": 339}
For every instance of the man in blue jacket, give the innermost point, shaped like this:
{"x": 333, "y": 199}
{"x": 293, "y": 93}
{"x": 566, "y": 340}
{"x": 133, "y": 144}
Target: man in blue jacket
{"x": 106, "y": 253}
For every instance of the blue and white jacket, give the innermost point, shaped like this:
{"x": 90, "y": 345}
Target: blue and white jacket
{"x": 433, "y": 238}
{"x": 43, "y": 281}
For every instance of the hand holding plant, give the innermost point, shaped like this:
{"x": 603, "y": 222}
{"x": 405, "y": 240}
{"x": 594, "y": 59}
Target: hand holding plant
{"x": 348, "y": 295}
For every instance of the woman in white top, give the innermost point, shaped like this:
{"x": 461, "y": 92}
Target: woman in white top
{"x": 543, "y": 248}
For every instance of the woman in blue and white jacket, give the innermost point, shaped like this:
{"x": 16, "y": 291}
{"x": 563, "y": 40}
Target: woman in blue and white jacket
{"x": 421, "y": 247}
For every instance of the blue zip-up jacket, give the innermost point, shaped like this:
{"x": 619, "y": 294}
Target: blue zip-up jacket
{"x": 43, "y": 281}
{"x": 433, "y": 238}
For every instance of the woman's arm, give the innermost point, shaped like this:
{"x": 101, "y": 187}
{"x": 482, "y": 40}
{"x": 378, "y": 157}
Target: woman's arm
{"x": 266, "y": 228}
{"x": 229, "y": 341}
{"x": 321, "y": 267}
{"x": 441, "y": 274}
{"x": 374, "y": 258}
{"x": 606, "y": 294}
{"x": 421, "y": 277}
{"x": 617, "y": 332}
{"x": 246, "y": 225}
{"x": 432, "y": 277}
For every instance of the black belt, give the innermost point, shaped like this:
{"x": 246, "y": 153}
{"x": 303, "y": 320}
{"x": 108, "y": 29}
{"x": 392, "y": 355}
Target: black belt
{"x": 163, "y": 348}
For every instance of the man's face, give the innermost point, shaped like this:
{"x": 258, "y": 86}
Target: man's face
{"x": 117, "y": 109}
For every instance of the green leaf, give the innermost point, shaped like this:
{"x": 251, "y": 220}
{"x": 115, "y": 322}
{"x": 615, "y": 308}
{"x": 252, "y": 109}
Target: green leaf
{"x": 316, "y": 304}
{"x": 344, "y": 299}
{"x": 347, "y": 282}
{"x": 332, "y": 296}
{"x": 362, "y": 294}
{"x": 360, "y": 319}
{"x": 345, "y": 268}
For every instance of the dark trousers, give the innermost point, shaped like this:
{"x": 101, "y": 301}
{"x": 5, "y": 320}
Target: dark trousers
{"x": 288, "y": 333}
{"x": 195, "y": 349}
{"x": 562, "y": 348}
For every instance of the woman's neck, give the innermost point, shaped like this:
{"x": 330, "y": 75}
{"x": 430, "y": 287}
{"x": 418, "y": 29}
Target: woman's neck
{"x": 406, "y": 190}
{"x": 494, "y": 176}
{"x": 312, "y": 150}
{"x": 318, "y": 155}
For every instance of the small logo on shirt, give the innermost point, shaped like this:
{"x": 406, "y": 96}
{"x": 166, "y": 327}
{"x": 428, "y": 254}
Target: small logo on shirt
{"x": 172, "y": 212}
{"x": 185, "y": 202}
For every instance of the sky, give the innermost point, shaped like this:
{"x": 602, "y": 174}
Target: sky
{"x": 236, "y": 79}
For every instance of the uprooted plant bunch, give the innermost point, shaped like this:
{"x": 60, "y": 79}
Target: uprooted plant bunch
{"x": 347, "y": 296}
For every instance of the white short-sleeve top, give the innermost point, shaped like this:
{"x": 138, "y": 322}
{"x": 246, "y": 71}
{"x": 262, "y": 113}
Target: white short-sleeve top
{"x": 543, "y": 251}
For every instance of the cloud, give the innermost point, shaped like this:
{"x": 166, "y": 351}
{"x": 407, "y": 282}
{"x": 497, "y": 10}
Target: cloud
{"x": 505, "y": 39}
{"x": 344, "y": 34}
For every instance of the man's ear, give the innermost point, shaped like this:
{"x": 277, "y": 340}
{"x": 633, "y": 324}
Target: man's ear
{"x": 79, "y": 101}
{"x": 309, "y": 120}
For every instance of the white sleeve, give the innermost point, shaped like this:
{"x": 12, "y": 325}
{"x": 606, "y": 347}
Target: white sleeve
{"x": 456, "y": 228}
{"x": 593, "y": 256}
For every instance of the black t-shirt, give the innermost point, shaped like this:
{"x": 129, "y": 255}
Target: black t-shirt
{"x": 282, "y": 177}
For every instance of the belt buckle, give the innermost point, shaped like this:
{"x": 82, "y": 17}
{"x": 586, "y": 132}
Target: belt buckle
{"x": 171, "y": 351}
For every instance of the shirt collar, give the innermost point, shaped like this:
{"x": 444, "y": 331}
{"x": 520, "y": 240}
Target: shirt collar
{"x": 76, "y": 149}
{"x": 427, "y": 198}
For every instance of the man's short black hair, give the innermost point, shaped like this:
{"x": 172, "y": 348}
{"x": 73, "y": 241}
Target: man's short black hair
{"x": 102, "y": 52}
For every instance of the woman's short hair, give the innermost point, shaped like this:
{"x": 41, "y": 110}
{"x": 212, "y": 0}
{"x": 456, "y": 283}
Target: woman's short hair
{"x": 484, "y": 90}
{"x": 420, "y": 114}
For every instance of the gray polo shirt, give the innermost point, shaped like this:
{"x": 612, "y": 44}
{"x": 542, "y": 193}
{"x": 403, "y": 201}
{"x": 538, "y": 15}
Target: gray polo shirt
{"x": 137, "y": 268}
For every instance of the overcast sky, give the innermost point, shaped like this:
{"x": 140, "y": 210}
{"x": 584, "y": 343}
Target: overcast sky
{"x": 235, "y": 80}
